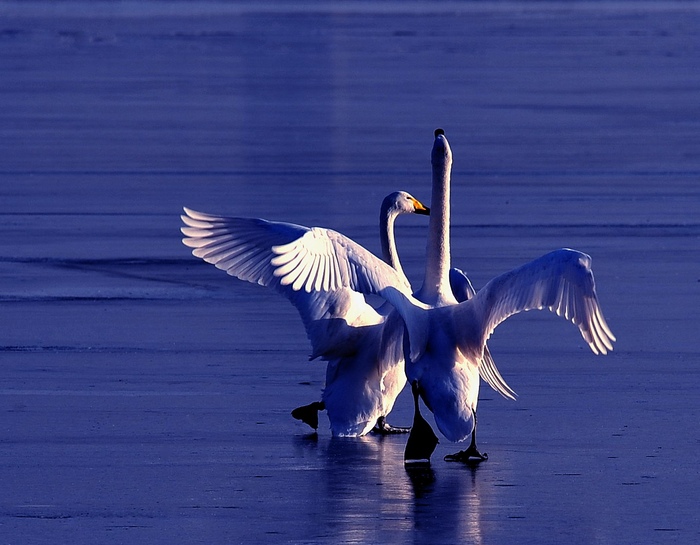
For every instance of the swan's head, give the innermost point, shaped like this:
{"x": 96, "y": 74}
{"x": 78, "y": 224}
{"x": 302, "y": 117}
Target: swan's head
{"x": 402, "y": 202}
{"x": 441, "y": 154}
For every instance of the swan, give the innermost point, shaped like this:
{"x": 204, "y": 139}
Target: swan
{"x": 447, "y": 339}
{"x": 362, "y": 345}
{"x": 446, "y": 343}
{"x": 346, "y": 377}
{"x": 346, "y": 389}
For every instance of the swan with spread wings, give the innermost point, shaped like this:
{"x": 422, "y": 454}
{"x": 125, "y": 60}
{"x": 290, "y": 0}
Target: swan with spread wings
{"x": 446, "y": 342}
{"x": 362, "y": 345}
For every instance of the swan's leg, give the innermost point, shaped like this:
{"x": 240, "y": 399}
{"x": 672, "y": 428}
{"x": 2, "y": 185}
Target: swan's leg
{"x": 309, "y": 413}
{"x": 471, "y": 454}
{"x": 422, "y": 441}
{"x": 382, "y": 428}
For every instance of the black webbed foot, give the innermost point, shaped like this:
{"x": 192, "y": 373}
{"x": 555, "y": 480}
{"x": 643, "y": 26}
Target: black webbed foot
{"x": 309, "y": 413}
{"x": 468, "y": 456}
{"x": 382, "y": 428}
{"x": 422, "y": 441}
{"x": 471, "y": 455}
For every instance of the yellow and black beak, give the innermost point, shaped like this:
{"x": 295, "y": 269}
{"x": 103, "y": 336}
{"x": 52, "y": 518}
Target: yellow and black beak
{"x": 420, "y": 208}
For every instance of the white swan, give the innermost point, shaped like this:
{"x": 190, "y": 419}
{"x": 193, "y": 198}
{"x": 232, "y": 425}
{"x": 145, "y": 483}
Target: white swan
{"x": 362, "y": 386}
{"x": 346, "y": 377}
{"x": 446, "y": 339}
{"x": 363, "y": 346}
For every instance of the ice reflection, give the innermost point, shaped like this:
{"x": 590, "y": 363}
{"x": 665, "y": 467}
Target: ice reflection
{"x": 364, "y": 494}
{"x": 447, "y": 505}
{"x": 367, "y": 490}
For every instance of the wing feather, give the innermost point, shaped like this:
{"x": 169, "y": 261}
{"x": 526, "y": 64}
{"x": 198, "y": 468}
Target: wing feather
{"x": 319, "y": 270}
{"x": 561, "y": 281}
{"x": 463, "y": 290}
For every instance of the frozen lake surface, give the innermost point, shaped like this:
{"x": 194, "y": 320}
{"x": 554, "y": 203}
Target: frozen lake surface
{"x": 145, "y": 395}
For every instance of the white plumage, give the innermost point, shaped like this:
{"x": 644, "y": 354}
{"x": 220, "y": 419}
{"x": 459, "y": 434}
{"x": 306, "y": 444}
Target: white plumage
{"x": 313, "y": 268}
{"x": 446, "y": 339}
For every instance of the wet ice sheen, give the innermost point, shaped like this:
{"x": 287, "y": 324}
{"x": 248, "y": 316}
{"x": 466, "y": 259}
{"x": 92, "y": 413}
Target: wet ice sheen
{"x": 145, "y": 396}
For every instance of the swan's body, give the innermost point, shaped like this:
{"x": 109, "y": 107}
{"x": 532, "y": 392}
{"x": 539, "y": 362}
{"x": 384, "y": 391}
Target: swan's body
{"x": 446, "y": 340}
{"x": 362, "y": 386}
{"x": 346, "y": 378}
{"x": 363, "y": 346}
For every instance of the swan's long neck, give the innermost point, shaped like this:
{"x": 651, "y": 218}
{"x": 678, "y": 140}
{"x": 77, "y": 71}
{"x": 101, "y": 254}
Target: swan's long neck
{"x": 436, "y": 285}
{"x": 386, "y": 235}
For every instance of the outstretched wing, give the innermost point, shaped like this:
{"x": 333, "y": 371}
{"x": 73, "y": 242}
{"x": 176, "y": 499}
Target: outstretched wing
{"x": 322, "y": 272}
{"x": 561, "y": 281}
{"x": 463, "y": 290}
{"x": 240, "y": 246}
{"x": 283, "y": 254}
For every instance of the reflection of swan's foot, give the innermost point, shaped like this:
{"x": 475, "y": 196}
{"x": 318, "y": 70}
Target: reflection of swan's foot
{"x": 470, "y": 455}
{"x": 309, "y": 413}
{"x": 382, "y": 428}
